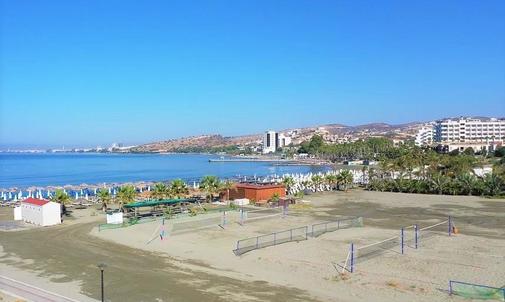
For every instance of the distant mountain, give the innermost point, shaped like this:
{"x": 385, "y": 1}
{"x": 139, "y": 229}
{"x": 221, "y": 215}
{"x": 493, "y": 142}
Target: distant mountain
{"x": 403, "y": 131}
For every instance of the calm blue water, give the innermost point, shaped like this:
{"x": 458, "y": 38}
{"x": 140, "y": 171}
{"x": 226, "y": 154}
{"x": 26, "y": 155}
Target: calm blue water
{"x": 24, "y": 170}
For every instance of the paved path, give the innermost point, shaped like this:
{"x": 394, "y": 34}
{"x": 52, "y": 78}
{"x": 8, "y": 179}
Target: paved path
{"x": 30, "y": 292}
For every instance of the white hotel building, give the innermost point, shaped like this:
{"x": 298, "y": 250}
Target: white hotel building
{"x": 461, "y": 133}
{"x": 273, "y": 140}
{"x": 470, "y": 130}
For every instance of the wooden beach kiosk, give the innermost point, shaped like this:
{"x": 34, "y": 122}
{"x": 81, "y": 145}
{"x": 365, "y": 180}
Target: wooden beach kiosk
{"x": 257, "y": 191}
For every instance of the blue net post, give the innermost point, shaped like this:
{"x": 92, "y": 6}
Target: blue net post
{"x": 352, "y": 257}
{"x": 450, "y": 287}
{"x": 401, "y": 241}
{"x": 450, "y": 226}
{"x": 416, "y": 235}
{"x": 307, "y": 231}
{"x": 257, "y": 242}
{"x": 224, "y": 218}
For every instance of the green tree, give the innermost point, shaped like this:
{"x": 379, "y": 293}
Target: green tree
{"x": 61, "y": 197}
{"x": 178, "y": 188}
{"x": 160, "y": 191}
{"x": 288, "y": 182}
{"x": 466, "y": 183}
{"x": 317, "y": 180}
{"x": 211, "y": 185}
{"x": 492, "y": 184}
{"x": 499, "y": 152}
{"x": 439, "y": 183}
{"x": 227, "y": 185}
{"x": 126, "y": 195}
{"x": 331, "y": 180}
{"x": 345, "y": 178}
{"x": 104, "y": 197}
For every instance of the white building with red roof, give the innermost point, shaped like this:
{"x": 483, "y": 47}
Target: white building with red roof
{"x": 40, "y": 212}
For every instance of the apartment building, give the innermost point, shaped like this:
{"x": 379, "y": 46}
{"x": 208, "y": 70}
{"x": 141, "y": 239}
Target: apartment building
{"x": 464, "y": 130}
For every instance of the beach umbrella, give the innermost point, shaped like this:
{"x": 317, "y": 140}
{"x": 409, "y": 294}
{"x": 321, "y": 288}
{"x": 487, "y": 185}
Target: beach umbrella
{"x": 95, "y": 191}
{"x": 76, "y": 195}
{"x": 20, "y": 194}
{"x": 15, "y": 198}
{"x": 82, "y": 192}
{"x": 10, "y": 195}
{"x": 86, "y": 196}
{"x": 149, "y": 188}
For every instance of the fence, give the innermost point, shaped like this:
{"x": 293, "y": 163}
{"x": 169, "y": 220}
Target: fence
{"x": 129, "y": 222}
{"x": 330, "y": 226}
{"x": 409, "y": 236}
{"x": 296, "y": 234}
{"x": 253, "y": 243}
{"x": 476, "y": 291}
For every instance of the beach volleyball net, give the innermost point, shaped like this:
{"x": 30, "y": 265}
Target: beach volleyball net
{"x": 249, "y": 244}
{"x": 295, "y": 234}
{"x": 408, "y": 237}
{"x": 476, "y": 291}
{"x": 319, "y": 229}
{"x": 249, "y": 215}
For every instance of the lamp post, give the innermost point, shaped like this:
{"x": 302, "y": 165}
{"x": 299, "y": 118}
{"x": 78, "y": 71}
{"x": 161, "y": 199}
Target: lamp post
{"x": 102, "y": 266}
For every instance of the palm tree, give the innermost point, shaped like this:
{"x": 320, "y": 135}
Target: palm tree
{"x": 211, "y": 185}
{"x": 160, "y": 191}
{"x": 126, "y": 195}
{"x": 62, "y": 198}
{"x": 346, "y": 178}
{"x": 288, "y": 182}
{"x": 331, "y": 180}
{"x": 317, "y": 180}
{"x": 227, "y": 185}
{"x": 466, "y": 183}
{"x": 104, "y": 197}
{"x": 179, "y": 188}
{"x": 439, "y": 183}
{"x": 493, "y": 184}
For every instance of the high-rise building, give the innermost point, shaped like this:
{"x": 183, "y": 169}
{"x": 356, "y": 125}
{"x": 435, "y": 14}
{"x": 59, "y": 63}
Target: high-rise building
{"x": 273, "y": 140}
{"x": 270, "y": 142}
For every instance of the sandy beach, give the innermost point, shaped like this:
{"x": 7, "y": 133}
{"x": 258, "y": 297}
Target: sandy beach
{"x": 201, "y": 265}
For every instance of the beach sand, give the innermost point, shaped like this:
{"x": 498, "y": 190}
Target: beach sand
{"x": 201, "y": 265}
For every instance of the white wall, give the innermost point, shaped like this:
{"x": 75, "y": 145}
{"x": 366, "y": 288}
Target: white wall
{"x": 31, "y": 213}
{"x": 51, "y": 213}
{"x": 48, "y": 214}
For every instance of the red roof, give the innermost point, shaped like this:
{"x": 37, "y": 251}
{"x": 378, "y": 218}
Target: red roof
{"x": 35, "y": 201}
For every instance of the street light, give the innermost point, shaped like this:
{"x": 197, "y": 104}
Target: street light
{"x": 102, "y": 266}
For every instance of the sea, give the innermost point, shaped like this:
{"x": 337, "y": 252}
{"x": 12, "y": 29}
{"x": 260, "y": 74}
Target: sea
{"x": 23, "y": 170}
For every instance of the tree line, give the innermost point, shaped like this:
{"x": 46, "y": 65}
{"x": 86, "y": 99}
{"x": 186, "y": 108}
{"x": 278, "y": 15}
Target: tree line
{"x": 408, "y": 168}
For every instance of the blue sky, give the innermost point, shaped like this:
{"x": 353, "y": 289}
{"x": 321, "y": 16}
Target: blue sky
{"x": 95, "y": 72}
